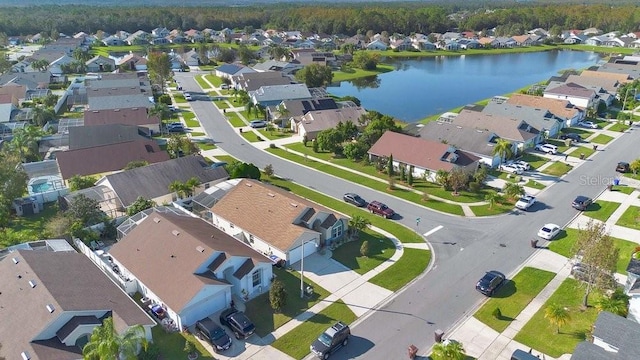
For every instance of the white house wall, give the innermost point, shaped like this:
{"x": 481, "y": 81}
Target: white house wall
{"x": 310, "y": 247}
{"x": 210, "y": 299}
{"x": 580, "y": 102}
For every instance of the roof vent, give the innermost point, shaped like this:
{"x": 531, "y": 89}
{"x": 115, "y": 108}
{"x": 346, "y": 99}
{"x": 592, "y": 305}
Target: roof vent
{"x": 200, "y": 249}
{"x": 25, "y": 355}
{"x": 175, "y": 232}
{"x": 50, "y": 308}
{"x": 271, "y": 194}
{"x": 32, "y": 283}
{"x": 156, "y": 220}
{"x": 248, "y": 184}
{"x": 15, "y": 260}
{"x": 294, "y": 205}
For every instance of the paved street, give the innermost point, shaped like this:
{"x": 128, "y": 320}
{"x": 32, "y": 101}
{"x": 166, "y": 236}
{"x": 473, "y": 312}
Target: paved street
{"x": 464, "y": 248}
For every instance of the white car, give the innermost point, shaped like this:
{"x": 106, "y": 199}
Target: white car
{"x": 187, "y": 97}
{"x": 588, "y": 124}
{"x": 525, "y": 202}
{"x": 547, "y": 148}
{"x": 523, "y": 164}
{"x": 511, "y": 169}
{"x": 549, "y": 231}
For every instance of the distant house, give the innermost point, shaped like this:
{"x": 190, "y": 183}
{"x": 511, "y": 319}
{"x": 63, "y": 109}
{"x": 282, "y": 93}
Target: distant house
{"x": 294, "y": 109}
{"x": 313, "y": 122}
{"x": 273, "y": 95}
{"x": 133, "y": 62}
{"x": 132, "y": 98}
{"x": 469, "y": 44}
{"x": 560, "y": 108}
{"x": 279, "y": 66}
{"x": 376, "y": 45}
{"x": 574, "y": 93}
{"x": 614, "y": 338}
{"x": 113, "y": 41}
{"x": 254, "y": 81}
{"x": 545, "y": 122}
{"x": 191, "y": 269}
{"x": 632, "y": 71}
{"x": 423, "y": 157}
{"x": 100, "y": 64}
{"x": 138, "y": 38}
{"x": 126, "y": 116}
{"x": 82, "y": 137}
{"x": 229, "y": 70}
{"x": 191, "y": 58}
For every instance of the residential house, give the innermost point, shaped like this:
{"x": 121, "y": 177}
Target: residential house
{"x": 229, "y": 70}
{"x": 138, "y": 38}
{"x": 254, "y": 81}
{"x": 578, "y": 95}
{"x": 284, "y": 67}
{"x": 480, "y": 143}
{"x": 294, "y": 109}
{"x": 358, "y": 41}
{"x": 376, "y": 45}
{"x": 632, "y": 289}
{"x": 100, "y": 64}
{"x": 403, "y": 44}
{"x": 614, "y": 338}
{"x": 194, "y": 35}
{"x": 596, "y": 40}
{"x": 56, "y": 65}
{"x": 276, "y": 222}
{"x": 82, "y": 137}
{"x": 633, "y": 71}
{"x": 523, "y": 40}
{"x": 313, "y": 122}
{"x": 605, "y": 88}
{"x": 58, "y": 298}
{"x": 190, "y": 268}
{"x": 546, "y": 124}
{"x": 191, "y": 58}
{"x": 449, "y": 44}
{"x": 562, "y": 109}
{"x": 30, "y": 80}
{"x": 621, "y": 78}
{"x": 469, "y": 44}
{"x": 312, "y": 56}
{"x": 489, "y": 42}
{"x": 128, "y": 116}
{"x": 506, "y": 42}
{"x": 273, "y": 95}
{"x": 424, "y": 158}
{"x": 15, "y": 91}
{"x": 133, "y": 62}
{"x": 113, "y": 41}
{"x": 160, "y": 32}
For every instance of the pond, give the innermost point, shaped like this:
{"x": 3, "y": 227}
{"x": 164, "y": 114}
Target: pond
{"x": 421, "y": 87}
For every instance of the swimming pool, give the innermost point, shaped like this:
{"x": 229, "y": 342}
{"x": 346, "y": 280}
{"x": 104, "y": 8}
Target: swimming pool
{"x": 44, "y": 184}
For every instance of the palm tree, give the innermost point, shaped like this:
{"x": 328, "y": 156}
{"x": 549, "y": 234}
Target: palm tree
{"x": 503, "y": 149}
{"x": 491, "y": 197}
{"x": 448, "y": 350}
{"x": 177, "y": 187}
{"x": 358, "y": 223}
{"x": 557, "y": 315}
{"x": 106, "y": 344}
{"x": 191, "y": 185}
{"x": 25, "y": 142}
{"x": 513, "y": 190}
{"x": 617, "y": 303}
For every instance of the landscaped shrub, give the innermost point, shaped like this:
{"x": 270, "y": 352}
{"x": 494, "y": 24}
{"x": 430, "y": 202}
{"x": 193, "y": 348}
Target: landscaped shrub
{"x": 474, "y": 187}
{"x": 497, "y": 313}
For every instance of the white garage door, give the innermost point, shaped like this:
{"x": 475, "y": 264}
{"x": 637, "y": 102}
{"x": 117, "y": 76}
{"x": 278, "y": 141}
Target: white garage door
{"x": 296, "y": 254}
{"x": 204, "y": 308}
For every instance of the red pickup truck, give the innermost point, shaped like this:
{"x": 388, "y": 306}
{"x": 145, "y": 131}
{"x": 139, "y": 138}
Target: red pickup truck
{"x": 381, "y": 209}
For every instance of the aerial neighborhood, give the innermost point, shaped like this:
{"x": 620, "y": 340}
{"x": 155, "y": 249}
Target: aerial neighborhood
{"x": 204, "y": 188}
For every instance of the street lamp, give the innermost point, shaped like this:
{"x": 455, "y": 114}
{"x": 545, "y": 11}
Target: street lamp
{"x": 302, "y": 268}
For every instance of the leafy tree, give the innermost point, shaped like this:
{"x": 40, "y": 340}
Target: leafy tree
{"x": 390, "y": 170}
{"x": 268, "y": 170}
{"x": 40, "y": 64}
{"x": 178, "y": 188}
{"x": 347, "y": 130}
{"x": 179, "y": 145}
{"x": 106, "y": 344}
{"x": 617, "y": 303}
{"x": 85, "y": 211}
{"x": 480, "y": 175}
{"x": 403, "y": 172}
{"x": 598, "y": 256}
{"x": 58, "y": 226}
{"x": 315, "y": 146}
{"x": 357, "y": 224}
{"x": 448, "y": 350}
{"x": 354, "y": 99}
{"x": 13, "y": 182}
{"x": 355, "y": 150}
{"x": 50, "y": 100}
{"x": 140, "y": 204}
{"x": 226, "y": 55}
{"x": 42, "y": 115}
{"x": 203, "y": 51}
{"x": 492, "y": 197}
{"x": 161, "y": 110}
{"x": 159, "y": 68}
{"x": 503, "y": 149}
{"x": 278, "y": 52}
{"x": 410, "y": 176}
{"x": 315, "y": 75}
{"x": 557, "y": 315}
{"x": 25, "y": 142}
{"x": 305, "y": 140}
{"x": 270, "y": 128}
{"x": 513, "y": 190}
{"x": 277, "y": 295}
{"x": 77, "y": 182}
{"x": 329, "y": 140}
{"x": 458, "y": 179}
{"x": 635, "y": 166}
{"x": 442, "y": 178}
{"x": 365, "y": 60}
{"x": 245, "y": 54}
{"x": 136, "y": 164}
{"x": 364, "y": 248}
{"x": 191, "y": 185}
{"x": 243, "y": 170}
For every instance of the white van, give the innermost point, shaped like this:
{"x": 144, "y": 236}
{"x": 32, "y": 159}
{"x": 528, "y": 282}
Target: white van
{"x": 547, "y": 148}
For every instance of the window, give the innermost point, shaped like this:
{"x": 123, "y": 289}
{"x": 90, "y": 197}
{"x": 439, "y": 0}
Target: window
{"x": 337, "y": 230}
{"x": 257, "y": 277}
{"x": 251, "y": 238}
{"x": 231, "y": 225}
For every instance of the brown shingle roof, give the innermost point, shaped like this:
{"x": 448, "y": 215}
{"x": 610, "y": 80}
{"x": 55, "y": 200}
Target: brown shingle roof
{"x": 623, "y": 78}
{"x": 502, "y": 126}
{"x": 571, "y": 89}
{"x": 131, "y": 116}
{"x": 557, "y": 107}
{"x": 170, "y": 261}
{"x": 319, "y": 120}
{"x": 421, "y": 153}
{"x": 108, "y": 158}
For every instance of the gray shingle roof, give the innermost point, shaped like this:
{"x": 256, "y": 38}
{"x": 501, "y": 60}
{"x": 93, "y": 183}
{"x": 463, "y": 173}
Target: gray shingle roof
{"x": 465, "y": 138}
{"x": 81, "y": 137}
{"x": 119, "y": 102}
{"x": 281, "y": 92}
{"x": 540, "y": 119}
{"x": 619, "y": 332}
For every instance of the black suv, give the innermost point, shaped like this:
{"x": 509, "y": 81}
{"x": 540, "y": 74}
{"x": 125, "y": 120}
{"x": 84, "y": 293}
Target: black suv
{"x": 238, "y": 322}
{"x": 622, "y": 167}
{"x": 573, "y": 136}
{"x": 331, "y": 340}
{"x": 490, "y": 282}
{"x": 207, "y": 329}
{"x": 581, "y": 203}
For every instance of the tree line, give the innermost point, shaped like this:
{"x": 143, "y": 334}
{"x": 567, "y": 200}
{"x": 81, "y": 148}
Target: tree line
{"x": 348, "y": 19}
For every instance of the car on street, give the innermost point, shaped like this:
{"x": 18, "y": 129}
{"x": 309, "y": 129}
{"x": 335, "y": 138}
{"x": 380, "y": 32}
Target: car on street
{"x": 549, "y": 231}
{"x": 525, "y": 202}
{"x": 588, "y": 124}
{"x": 510, "y": 168}
{"x": 573, "y": 136}
{"x": 622, "y": 167}
{"x": 188, "y": 97}
{"x": 547, "y": 148}
{"x": 175, "y": 127}
{"x": 581, "y": 203}
{"x": 238, "y": 322}
{"x": 378, "y": 208}
{"x": 207, "y": 329}
{"x": 354, "y": 199}
{"x": 257, "y": 124}
{"x": 490, "y": 282}
{"x": 331, "y": 340}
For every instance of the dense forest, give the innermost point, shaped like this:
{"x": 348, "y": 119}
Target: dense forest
{"x": 348, "y": 19}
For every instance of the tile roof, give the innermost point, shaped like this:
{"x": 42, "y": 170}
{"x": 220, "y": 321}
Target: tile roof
{"x": 82, "y": 137}
{"x": 267, "y": 212}
{"x": 230, "y": 69}
{"x": 107, "y": 158}
{"x": 318, "y": 120}
{"x": 130, "y": 116}
{"x": 254, "y": 81}
{"x": 611, "y": 85}
{"x": 69, "y": 282}
{"x": 153, "y": 180}
{"x": 561, "y": 108}
{"x": 127, "y": 79}
{"x": 115, "y": 91}
{"x": 170, "y": 260}
{"x": 619, "y": 332}
{"x": 465, "y": 138}
{"x": 505, "y": 127}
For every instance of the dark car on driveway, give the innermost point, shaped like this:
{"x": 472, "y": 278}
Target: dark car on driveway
{"x": 573, "y": 136}
{"x": 581, "y": 203}
{"x": 354, "y": 199}
{"x": 622, "y": 167}
{"x": 238, "y": 322}
{"x": 207, "y": 329}
{"x": 491, "y": 281}
{"x": 331, "y": 340}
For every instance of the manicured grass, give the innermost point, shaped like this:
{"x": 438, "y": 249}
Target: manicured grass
{"x": 624, "y": 189}
{"x": 190, "y": 119}
{"x": 580, "y": 131}
{"x": 562, "y": 147}
{"x": 171, "y": 345}
{"x": 197, "y": 133}
{"x": 627, "y": 248}
{"x": 28, "y": 228}
{"x": 355, "y": 73}
{"x": 569, "y": 295}
{"x": 221, "y": 103}
{"x": 620, "y": 127}
{"x": 216, "y": 81}
{"x": 226, "y": 158}
{"x": 534, "y": 160}
{"x": 380, "y": 250}
{"x": 266, "y": 320}
{"x": 275, "y": 134}
{"x": 558, "y": 168}
{"x": 296, "y": 343}
{"x": 586, "y": 150}
{"x": 179, "y": 98}
{"x": 601, "y": 210}
{"x": 534, "y": 184}
{"x": 234, "y": 120}
{"x": 203, "y": 84}
{"x": 513, "y": 297}
{"x": 250, "y": 136}
{"x": 412, "y": 263}
{"x": 499, "y": 207}
{"x": 206, "y": 146}
{"x": 602, "y": 139}
{"x": 630, "y": 218}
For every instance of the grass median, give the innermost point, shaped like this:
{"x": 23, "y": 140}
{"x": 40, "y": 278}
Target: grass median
{"x": 380, "y": 250}
{"x": 601, "y": 210}
{"x": 234, "y": 119}
{"x": 558, "y": 168}
{"x": 630, "y": 218}
{"x": 513, "y": 297}
{"x": 412, "y": 263}
{"x": 602, "y": 139}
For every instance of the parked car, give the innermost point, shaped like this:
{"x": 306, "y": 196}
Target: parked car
{"x": 172, "y": 108}
{"x": 257, "y": 124}
{"x": 207, "y": 329}
{"x": 525, "y": 202}
{"x": 523, "y": 164}
{"x": 581, "y": 203}
{"x": 622, "y": 167}
{"x": 491, "y": 281}
{"x": 588, "y": 124}
{"x": 511, "y": 168}
{"x": 354, "y": 199}
{"x": 224, "y": 86}
{"x": 547, "y": 148}
{"x": 331, "y": 340}
{"x": 238, "y": 322}
{"x": 188, "y": 97}
{"x": 573, "y": 136}
{"x": 549, "y": 231}
{"x": 381, "y": 209}
{"x": 175, "y": 127}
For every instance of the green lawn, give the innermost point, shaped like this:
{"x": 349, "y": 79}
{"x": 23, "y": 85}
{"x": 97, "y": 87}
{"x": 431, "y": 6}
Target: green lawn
{"x": 499, "y": 207}
{"x": 296, "y": 343}
{"x": 630, "y": 218}
{"x": 562, "y": 147}
{"x": 620, "y": 127}
{"x": 586, "y": 150}
{"x": 206, "y": 146}
{"x": 355, "y": 73}
{"x": 624, "y": 189}
{"x": 380, "y": 249}
{"x": 275, "y": 134}
{"x": 558, "y": 168}
{"x": 226, "y": 158}
{"x": 171, "y": 345}
{"x": 513, "y": 297}
{"x": 179, "y": 98}
{"x": 601, "y": 210}
{"x": 569, "y": 295}
{"x": 203, "y": 84}
{"x": 534, "y": 184}
{"x": 190, "y": 119}
{"x": 251, "y": 136}
{"x": 534, "y": 160}
{"x": 216, "y": 81}
{"x": 266, "y": 320}
{"x": 578, "y": 130}
{"x": 412, "y": 263}
{"x": 28, "y": 228}
{"x": 602, "y": 139}
{"x": 221, "y": 103}
{"x": 197, "y": 133}
{"x": 234, "y": 120}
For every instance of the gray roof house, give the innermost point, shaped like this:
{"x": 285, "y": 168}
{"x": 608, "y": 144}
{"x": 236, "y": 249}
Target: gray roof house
{"x": 273, "y": 95}
{"x": 614, "y": 338}
{"x": 229, "y": 70}
{"x": 280, "y": 66}
{"x": 296, "y": 108}
{"x": 253, "y": 81}
{"x": 540, "y": 119}
{"x": 632, "y": 70}
{"x": 100, "y": 64}
{"x": 81, "y": 137}
{"x": 578, "y": 95}
{"x": 313, "y": 122}
{"x": 632, "y": 289}
{"x": 119, "y": 102}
